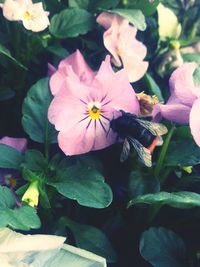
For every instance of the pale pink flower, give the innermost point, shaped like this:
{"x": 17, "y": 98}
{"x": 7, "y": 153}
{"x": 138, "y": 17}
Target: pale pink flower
{"x": 85, "y": 102}
{"x": 120, "y": 40}
{"x": 183, "y": 105}
{"x": 33, "y": 16}
{"x": 18, "y": 143}
{"x": 72, "y": 66}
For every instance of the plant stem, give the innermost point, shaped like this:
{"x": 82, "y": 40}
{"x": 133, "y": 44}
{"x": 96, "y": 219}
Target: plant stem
{"x": 163, "y": 152}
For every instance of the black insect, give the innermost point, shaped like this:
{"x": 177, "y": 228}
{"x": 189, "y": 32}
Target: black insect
{"x": 142, "y": 135}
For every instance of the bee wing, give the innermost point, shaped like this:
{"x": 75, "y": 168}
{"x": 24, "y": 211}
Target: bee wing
{"x": 125, "y": 150}
{"x": 154, "y": 127}
{"x": 143, "y": 153}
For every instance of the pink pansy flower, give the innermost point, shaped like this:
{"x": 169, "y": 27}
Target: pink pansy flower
{"x": 183, "y": 106}
{"x": 121, "y": 42}
{"x": 33, "y": 16}
{"x": 72, "y": 66}
{"x": 85, "y": 102}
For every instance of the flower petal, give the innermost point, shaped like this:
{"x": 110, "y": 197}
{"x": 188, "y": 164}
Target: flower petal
{"x": 104, "y": 136}
{"x": 77, "y": 140}
{"x": 105, "y": 19}
{"x": 75, "y": 67}
{"x": 79, "y": 66}
{"x": 12, "y": 10}
{"x": 39, "y": 20}
{"x": 195, "y": 121}
{"x": 174, "y": 112}
{"x": 65, "y": 111}
{"x": 182, "y": 84}
{"x": 11, "y": 241}
{"x": 18, "y": 143}
{"x": 116, "y": 86}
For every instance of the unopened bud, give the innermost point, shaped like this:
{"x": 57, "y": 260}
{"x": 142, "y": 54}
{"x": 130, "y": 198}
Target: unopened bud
{"x": 31, "y": 196}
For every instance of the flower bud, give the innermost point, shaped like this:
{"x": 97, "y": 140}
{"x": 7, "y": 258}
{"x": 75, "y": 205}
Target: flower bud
{"x": 31, "y": 196}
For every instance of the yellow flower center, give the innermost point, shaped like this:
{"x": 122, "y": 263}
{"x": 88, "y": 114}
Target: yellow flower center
{"x": 94, "y": 110}
{"x": 27, "y": 15}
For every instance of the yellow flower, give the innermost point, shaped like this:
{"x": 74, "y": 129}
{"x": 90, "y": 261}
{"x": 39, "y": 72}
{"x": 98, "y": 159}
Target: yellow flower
{"x": 187, "y": 169}
{"x": 31, "y": 196}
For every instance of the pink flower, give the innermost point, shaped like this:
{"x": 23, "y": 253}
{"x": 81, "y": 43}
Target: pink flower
{"x": 18, "y": 143}
{"x": 120, "y": 41}
{"x": 33, "y": 16}
{"x": 73, "y": 66}
{"x": 183, "y": 106}
{"x": 85, "y": 102}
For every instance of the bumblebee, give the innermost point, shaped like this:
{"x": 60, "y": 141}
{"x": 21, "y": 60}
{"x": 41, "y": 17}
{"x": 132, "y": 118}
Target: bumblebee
{"x": 142, "y": 135}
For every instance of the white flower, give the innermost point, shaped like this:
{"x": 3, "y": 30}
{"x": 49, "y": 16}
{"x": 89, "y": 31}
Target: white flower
{"x": 18, "y": 250}
{"x": 33, "y": 16}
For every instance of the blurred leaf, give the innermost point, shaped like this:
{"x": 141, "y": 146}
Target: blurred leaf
{"x": 153, "y": 87}
{"x": 71, "y": 23}
{"x": 58, "y": 51}
{"x": 44, "y": 199}
{"x": 190, "y": 57}
{"x": 178, "y": 155}
{"x": 23, "y": 218}
{"x": 196, "y": 76}
{"x": 34, "y": 160}
{"x": 92, "y": 239}
{"x": 139, "y": 184}
{"x": 166, "y": 29}
{"x": 35, "y": 107}
{"x": 6, "y": 93}
{"x": 103, "y": 4}
{"x": 83, "y": 184}
{"x": 163, "y": 248}
{"x": 79, "y": 3}
{"x": 10, "y": 157}
{"x": 147, "y": 7}
{"x": 6, "y": 52}
{"x": 134, "y": 16}
{"x": 179, "y": 200}
{"x": 182, "y": 132}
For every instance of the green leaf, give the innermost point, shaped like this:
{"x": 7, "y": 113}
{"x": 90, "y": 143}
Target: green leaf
{"x": 23, "y": 218}
{"x": 7, "y": 199}
{"x": 58, "y": 51}
{"x": 163, "y": 248}
{"x": 6, "y": 93}
{"x": 139, "y": 184}
{"x": 35, "y": 107}
{"x": 79, "y": 3}
{"x": 92, "y": 239}
{"x": 85, "y": 185}
{"x": 34, "y": 160}
{"x": 196, "y": 76}
{"x": 71, "y": 23}
{"x": 180, "y": 200}
{"x": 4, "y": 51}
{"x": 103, "y": 4}
{"x": 153, "y": 87}
{"x": 145, "y": 6}
{"x": 183, "y": 132}
{"x": 190, "y": 57}
{"x": 10, "y": 157}
{"x": 178, "y": 155}
{"x": 134, "y": 16}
